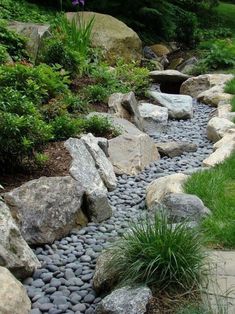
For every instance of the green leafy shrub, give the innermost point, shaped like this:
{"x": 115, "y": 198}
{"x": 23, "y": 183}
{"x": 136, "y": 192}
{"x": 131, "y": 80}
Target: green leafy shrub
{"x": 158, "y": 254}
{"x": 22, "y": 129}
{"x": 64, "y": 126}
{"x": 100, "y": 126}
{"x": 39, "y": 83}
{"x": 13, "y": 42}
{"x": 3, "y": 54}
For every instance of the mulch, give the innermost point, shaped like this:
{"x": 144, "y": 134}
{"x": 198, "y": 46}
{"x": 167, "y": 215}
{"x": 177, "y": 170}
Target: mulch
{"x": 58, "y": 164}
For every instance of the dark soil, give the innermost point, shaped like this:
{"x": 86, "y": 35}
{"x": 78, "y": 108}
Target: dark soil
{"x": 58, "y": 164}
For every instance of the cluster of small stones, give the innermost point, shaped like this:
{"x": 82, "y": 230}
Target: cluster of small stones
{"x": 64, "y": 282}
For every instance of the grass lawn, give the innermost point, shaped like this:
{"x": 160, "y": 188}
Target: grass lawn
{"x": 216, "y": 187}
{"x": 227, "y": 13}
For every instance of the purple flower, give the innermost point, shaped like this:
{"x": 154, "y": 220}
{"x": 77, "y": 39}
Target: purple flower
{"x": 78, "y": 2}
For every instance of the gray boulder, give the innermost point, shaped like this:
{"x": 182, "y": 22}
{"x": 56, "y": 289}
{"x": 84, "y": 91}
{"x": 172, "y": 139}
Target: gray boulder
{"x": 86, "y": 174}
{"x": 15, "y": 254}
{"x": 168, "y": 76}
{"x": 35, "y": 34}
{"x": 126, "y": 300}
{"x": 179, "y": 106}
{"x": 102, "y": 163}
{"x": 172, "y": 149}
{"x": 181, "y": 206}
{"x": 104, "y": 278}
{"x": 47, "y": 209}
{"x": 126, "y": 106}
{"x": 154, "y": 117}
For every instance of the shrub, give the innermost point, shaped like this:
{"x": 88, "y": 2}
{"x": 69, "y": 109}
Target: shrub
{"x": 3, "y": 54}
{"x": 100, "y": 126}
{"x": 39, "y": 83}
{"x": 13, "y": 42}
{"x": 22, "y": 129}
{"x": 160, "y": 255}
{"x": 64, "y": 126}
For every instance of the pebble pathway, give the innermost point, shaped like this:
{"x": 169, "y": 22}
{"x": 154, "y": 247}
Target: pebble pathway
{"x": 64, "y": 282}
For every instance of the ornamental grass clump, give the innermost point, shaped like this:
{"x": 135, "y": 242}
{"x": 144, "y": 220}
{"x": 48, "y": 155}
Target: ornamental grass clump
{"x": 166, "y": 257}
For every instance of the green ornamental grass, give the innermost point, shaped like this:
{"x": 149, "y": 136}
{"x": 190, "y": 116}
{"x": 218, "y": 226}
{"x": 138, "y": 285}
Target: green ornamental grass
{"x": 164, "y": 256}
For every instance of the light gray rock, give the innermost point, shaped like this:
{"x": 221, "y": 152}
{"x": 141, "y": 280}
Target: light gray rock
{"x": 104, "y": 278}
{"x": 154, "y": 117}
{"x": 172, "y": 149}
{"x": 126, "y": 106}
{"x": 47, "y": 209}
{"x": 187, "y": 65}
{"x": 13, "y": 296}
{"x": 102, "y": 163}
{"x": 97, "y": 205}
{"x": 104, "y": 145}
{"x": 196, "y": 85}
{"x": 168, "y": 76}
{"x": 180, "y": 206}
{"x": 179, "y": 106}
{"x": 217, "y": 128}
{"x": 15, "y": 254}
{"x": 83, "y": 168}
{"x": 35, "y": 34}
{"x": 131, "y": 151}
{"x": 126, "y": 300}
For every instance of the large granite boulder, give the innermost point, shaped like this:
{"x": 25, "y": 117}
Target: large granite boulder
{"x": 35, "y": 34}
{"x": 126, "y": 106}
{"x": 179, "y": 106}
{"x": 180, "y": 206}
{"x": 168, "y": 76}
{"x": 154, "y": 117}
{"x": 217, "y": 127}
{"x": 196, "y": 85}
{"x": 47, "y": 209}
{"x": 13, "y": 296}
{"x": 214, "y": 96}
{"x": 15, "y": 254}
{"x": 126, "y": 300}
{"x": 159, "y": 188}
{"x": 103, "y": 165}
{"x": 113, "y": 36}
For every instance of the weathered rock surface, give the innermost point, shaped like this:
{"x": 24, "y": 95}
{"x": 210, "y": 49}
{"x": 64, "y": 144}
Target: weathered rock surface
{"x": 104, "y": 278}
{"x": 126, "y": 300}
{"x": 223, "y": 149}
{"x": 160, "y": 49}
{"x": 126, "y": 106}
{"x": 47, "y": 209}
{"x": 168, "y": 76}
{"x": 103, "y": 144}
{"x": 84, "y": 171}
{"x": 159, "y": 188}
{"x": 113, "y": 36}
{"x": 83, "y": 168}
{"x": 13, "y": 296}
{"x": 154, "y": 117}
{"x": 214, "y": 96}
{"x": 103, "y": 165}
{"x": 196, "y": 85}
{"x": 180, "y": 206}
{"x": 186, "y": 66}
{"x": 179, "y": 106}
{"x": 15, "y": 254}
{"x": 217, "y": 127}
{"x": 172, "y": 149}
{"x": 35, "y": 34}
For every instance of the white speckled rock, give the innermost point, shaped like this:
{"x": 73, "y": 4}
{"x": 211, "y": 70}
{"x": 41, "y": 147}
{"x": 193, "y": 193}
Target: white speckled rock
{"x": 126, "y": 300}
{"x": 217, "y": 127}
{"x": 179, "y": 106}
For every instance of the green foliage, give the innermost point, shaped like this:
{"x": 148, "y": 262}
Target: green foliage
{"x": 41, "y": 159}
{"x": 64, "y": 126}
{"x": 24, "y": 11}
{"x": 216, "y": 188}
{"x": 13, "y": 42}
{"x": 161, "y": 255}
{"x": 100, "y": 126}
{"x": 70, "y": 45}
{"x": 217, "y": 33}
{"x": 230, "y": 87}
{"x": 3, "y": 54}
{"x": 21, "y": 128}
{"x": 39, "y": 83}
